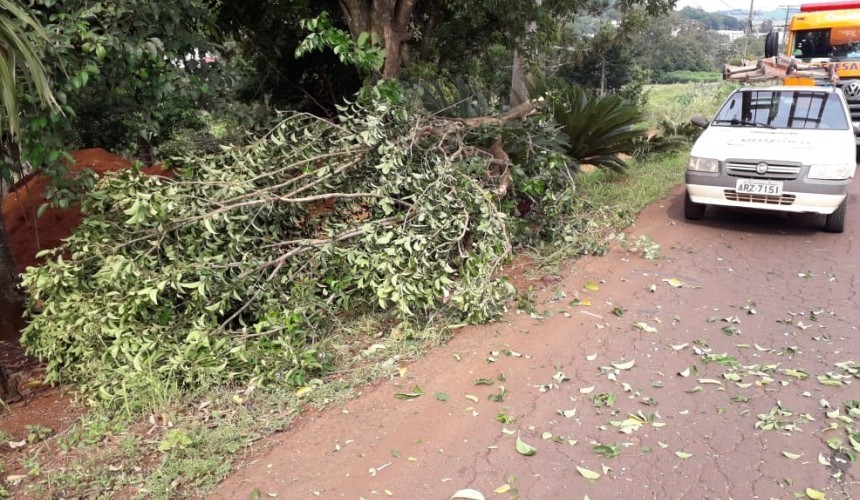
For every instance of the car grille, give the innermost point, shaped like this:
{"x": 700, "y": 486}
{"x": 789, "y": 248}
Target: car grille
{"x": 786, "y": 199}
{"x": 775, "y": 171}
{"x": 855, "y": 111}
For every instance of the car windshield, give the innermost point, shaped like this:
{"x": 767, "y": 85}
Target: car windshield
{"x": 792, "y": 109}
{"x": 827, "y": 43}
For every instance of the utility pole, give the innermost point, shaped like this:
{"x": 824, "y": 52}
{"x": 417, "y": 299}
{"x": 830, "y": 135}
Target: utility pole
{"x": 748, "y": 30}
{"x": 749, "y": 20}
{"x": 785, "y": 26}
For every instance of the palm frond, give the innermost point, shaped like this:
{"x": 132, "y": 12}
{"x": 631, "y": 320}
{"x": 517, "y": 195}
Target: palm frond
{"x": 454, "y": 99}
{"x": 599, "y": 129}
{"x": 17, "y": 50}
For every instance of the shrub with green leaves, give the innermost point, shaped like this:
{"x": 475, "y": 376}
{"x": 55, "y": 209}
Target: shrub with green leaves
{"x": 598, "y": 128}
{"x": 235, "y": 269}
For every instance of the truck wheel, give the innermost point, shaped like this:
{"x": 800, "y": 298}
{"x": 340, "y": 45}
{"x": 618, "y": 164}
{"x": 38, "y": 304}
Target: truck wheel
{"x": 771, "y": 44}
{"x": 693, "y": 211}
{"x": 835, "y": 222}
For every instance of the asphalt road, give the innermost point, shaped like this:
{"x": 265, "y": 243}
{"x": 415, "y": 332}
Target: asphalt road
{"x": 759, "y": 312}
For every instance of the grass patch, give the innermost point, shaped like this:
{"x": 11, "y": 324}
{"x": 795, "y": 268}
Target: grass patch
{"x": 677, "y": 103}
{"x": 686, "y": 76}
{"x": 646, "y": 181}
{"x": 611, "y": 202}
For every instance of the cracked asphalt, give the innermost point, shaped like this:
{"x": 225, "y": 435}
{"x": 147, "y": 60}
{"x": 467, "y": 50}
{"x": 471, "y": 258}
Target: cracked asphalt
{"x": 760, "y": 311}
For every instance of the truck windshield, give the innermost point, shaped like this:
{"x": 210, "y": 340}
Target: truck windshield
{"x": 835, "y": 43}
{"x": 791, "y": 109}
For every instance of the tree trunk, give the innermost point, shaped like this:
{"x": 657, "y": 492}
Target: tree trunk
{"x": 519, "y": 92}
{"x": 11, "y": 301}
{"x": 388, "y": 20}
{"x": 146, "y": 152}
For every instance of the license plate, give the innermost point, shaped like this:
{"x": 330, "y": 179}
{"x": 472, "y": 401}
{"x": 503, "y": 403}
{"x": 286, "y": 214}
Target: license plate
{"x": 754, "y": 186}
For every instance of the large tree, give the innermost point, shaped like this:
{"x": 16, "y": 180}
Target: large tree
{"x": 440, "y": 32}
{"x": 127, "y": 69}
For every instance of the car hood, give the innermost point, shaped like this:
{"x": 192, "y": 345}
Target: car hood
{"x": 804, "y": 146}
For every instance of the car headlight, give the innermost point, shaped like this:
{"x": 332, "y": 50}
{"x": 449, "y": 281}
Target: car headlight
{"x": 830, "y": 171}
{"x": 703, "y": 164}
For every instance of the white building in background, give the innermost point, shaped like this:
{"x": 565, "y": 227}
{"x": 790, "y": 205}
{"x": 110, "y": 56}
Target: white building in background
{"x": 732, "y": 34}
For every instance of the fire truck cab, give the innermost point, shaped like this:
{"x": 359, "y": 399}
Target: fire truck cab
{"x": 827, "y": 34}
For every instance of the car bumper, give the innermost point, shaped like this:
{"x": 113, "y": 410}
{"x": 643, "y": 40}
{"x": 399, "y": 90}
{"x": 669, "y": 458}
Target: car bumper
{"x": 788, "y": 202}
{"x": 799, "y": 195}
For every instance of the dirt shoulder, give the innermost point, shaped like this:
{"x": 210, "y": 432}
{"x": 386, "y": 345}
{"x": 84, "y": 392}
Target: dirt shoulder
{"x": 756, "y": 310}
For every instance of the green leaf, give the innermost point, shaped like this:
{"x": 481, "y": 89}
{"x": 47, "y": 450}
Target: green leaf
{"x": 608, "y": 451}
{"x": 683, "y": 455}
{"x": 525, "y": 449}
{"x": 815, "y": 494}
{"x": 588, "y": 474}
{"x": 415, "y": 393}
{"x": 441, "y": 396}
{"x": 362, "y": 39}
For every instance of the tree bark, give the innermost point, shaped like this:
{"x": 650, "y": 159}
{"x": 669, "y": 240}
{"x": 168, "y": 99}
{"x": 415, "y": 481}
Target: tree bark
{"x": 519, "y": 92}
{"x": 11, "y": 300}
{"x": 388, "y": 20}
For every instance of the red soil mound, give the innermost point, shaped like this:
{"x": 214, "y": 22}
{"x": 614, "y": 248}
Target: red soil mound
{"x": 28, "y": 234}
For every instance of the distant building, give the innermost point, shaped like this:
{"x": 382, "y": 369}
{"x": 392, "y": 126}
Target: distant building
{"x": 732, "y": 34}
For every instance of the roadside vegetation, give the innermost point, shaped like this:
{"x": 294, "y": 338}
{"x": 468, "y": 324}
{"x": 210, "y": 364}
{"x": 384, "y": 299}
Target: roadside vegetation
{"x": 285, "y": 258}
{"x": 189, "y": 437}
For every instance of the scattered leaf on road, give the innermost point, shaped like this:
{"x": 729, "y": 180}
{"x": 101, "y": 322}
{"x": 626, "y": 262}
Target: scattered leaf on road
{"x": 624, "y": 365}
{"x": 588, "y": 474}
{"x": 683, "y": 455}
{"x": 525, "y": 449}
{"x": 815, "y": 494}
{"x": 468, "y": 495}
{"x": 416, "y": 392}
{"x": 673, "y": 282}
{"x": 645, "y": 327}
{"x": 791, "y": 456}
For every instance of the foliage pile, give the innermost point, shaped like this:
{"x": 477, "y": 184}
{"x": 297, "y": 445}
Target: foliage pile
{"x": 235, "y": 269}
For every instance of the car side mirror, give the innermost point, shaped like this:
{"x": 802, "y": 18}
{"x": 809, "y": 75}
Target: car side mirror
{"x": 700, "y": 121}
{"x": 856, "y": 129}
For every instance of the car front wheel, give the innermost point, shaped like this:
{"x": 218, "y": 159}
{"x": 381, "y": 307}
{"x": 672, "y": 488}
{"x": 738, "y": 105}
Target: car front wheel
{"x": 835, "y": 222}
{"x": 692, "y": 210}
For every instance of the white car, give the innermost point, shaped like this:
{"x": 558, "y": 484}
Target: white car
{"x": 784, "y": 148}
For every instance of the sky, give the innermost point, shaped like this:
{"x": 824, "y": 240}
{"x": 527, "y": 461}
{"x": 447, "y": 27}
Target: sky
{"x": 712, "y": 5}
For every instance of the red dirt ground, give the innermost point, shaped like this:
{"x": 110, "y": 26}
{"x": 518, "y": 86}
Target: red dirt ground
{"x": 38, "y": 404}
{"x": 378, "y": 446}
{"x": 28, "y": 233}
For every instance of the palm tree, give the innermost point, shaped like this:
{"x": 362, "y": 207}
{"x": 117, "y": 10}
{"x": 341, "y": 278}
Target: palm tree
{"x": 19, "y": 56}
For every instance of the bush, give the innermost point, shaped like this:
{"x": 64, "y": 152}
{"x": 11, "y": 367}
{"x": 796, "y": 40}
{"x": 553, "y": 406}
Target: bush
{"x": 236, "y": 269}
